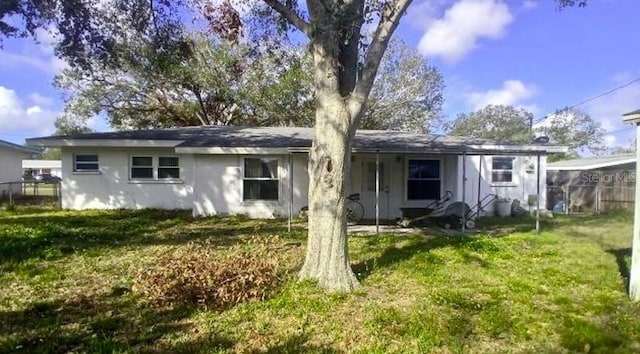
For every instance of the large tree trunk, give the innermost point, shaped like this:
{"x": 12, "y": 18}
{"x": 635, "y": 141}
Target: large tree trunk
{"x": 327, "y": 259}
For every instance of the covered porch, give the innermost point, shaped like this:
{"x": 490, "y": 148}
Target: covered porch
{"x": 388, "y": 183}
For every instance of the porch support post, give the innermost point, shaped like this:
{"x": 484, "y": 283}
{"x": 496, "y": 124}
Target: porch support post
{"x": 634, "y": 273}
{"x": 464, "y": 191}
{"x": 538, "y": 195}
{"x": 480, "y": 180}
{"x": 377, "y": 192}
{"x": 290, "y": 191}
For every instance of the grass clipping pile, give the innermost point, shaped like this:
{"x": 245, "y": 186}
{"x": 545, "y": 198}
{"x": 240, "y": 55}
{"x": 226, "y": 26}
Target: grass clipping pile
{"x": 205, "y": 276}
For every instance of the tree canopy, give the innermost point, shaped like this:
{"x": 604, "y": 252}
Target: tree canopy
{"x": 200, "y": 82}
{"x": 570, "y": 127}
{"x": 499, "y": 122}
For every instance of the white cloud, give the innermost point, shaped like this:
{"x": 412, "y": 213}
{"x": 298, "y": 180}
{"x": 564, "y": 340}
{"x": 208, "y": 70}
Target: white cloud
{"x": 608, "y": 110}
{"x": 512, "y": 93}
{"x": 39, "y": 56}
{"x": 40, "y": 99}
{"x": 463, "y": 25}
{"x": 529, "y": 4}
{"x": 610, "y": 140}
{"x": 422, "y": 14}
{"x": 16, "y": 117}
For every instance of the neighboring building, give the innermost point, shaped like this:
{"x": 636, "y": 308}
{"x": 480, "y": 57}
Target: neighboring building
{"x": 592, "y": 184}
{"x": 262, "y": 172}
{"x": 11, "y": 156}
{"x": 40, "y": 167}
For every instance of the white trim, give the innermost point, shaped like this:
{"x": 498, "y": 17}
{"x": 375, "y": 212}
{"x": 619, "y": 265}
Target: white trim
{"x": 232, "y": 150}
{"x": 155, "y": 181}
{"x": 591, "y": 166}
{"x": 633, "y": 118}
{"x": 86, "y": 173}
{"x": 41, "y": 164}
{"x": 103, "y": 142}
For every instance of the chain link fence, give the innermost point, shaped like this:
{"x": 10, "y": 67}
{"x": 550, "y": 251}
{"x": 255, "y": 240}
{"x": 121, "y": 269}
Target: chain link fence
{"x": 30, "y": 193}
{"x": 589, "y": 198}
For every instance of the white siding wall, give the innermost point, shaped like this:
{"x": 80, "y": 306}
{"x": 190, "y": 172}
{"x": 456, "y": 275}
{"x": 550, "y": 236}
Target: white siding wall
{"x": 212, "y": 184}
{"x": 112, "y": 188}
{"x": 523, "y": 184}
{"x": 219, "y": 183}
{"x": 11, "y": 168}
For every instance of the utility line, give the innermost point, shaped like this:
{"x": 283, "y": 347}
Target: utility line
{"x": 593, "y": 98}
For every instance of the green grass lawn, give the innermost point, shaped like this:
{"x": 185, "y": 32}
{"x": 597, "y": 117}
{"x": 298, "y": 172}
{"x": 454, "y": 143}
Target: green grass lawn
{"x": 66, "y": 281}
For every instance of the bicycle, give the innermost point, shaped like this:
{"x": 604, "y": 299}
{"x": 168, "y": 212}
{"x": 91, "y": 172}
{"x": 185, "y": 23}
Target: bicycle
{"x": 355, "y": 209}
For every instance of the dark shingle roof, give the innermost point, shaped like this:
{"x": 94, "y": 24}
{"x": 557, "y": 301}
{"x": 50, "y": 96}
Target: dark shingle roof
{"x": 17, "y": 147}
{"x": 286, "y": 137}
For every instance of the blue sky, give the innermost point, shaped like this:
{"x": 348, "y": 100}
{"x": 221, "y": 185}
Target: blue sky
{"x": 524, "y": 53}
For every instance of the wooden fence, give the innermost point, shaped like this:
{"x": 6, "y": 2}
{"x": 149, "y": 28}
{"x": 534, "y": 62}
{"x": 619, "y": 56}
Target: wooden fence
{"x": 589, "y": 198}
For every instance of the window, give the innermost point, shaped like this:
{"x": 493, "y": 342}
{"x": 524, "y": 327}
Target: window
{"x": 502, "y": 169}
{"x": 423, "y": 180}
{"x": 151, "y": 167}
{"x": 260, "y": 179}
{"x": 168, "y": 167}
{"x": 85, "y": 163}
{"x": 141, "y": 167}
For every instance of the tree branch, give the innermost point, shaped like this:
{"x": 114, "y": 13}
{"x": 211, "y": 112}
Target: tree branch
{"x": 389, "y": 19}
{"x": 290, "y": 15}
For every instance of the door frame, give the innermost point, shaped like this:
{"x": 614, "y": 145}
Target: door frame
{"x": 368, "y": 196}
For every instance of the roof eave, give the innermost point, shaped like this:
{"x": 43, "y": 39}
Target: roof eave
{"x": 68, "y": 142}
{"x": 591, "y": 166}
{"x": 632, "y": 117}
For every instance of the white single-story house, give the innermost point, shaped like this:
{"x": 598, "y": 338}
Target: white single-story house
{"x": 262, "y": 172}
{"x": 38, "y": 167}
{"x": 11, "y": 156}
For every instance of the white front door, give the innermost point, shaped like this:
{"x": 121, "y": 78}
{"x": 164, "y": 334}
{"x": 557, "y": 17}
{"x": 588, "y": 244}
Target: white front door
{"x": 368, "y": 194}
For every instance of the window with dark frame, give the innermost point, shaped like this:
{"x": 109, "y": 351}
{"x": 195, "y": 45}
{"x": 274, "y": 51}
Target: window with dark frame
{"x": 423, "y": 179}
{"x": 85, "y": 163}
{"x": 502, "y": 169}
{"x": 260, "y": 180}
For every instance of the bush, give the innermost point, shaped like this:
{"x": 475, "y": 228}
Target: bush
{"x": 200, "y": 275}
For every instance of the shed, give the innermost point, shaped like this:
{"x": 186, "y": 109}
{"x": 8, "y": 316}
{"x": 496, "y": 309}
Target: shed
{"x": 598, "y": 183}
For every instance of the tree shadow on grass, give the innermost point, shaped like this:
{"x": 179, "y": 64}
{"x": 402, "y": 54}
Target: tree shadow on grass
{"x": 623, "y": 256}
{"x": 391, "y": 254}
{"x": 297, "y": 343}
{"x": 54, "y": 236}
{"x": 101, "y": 323}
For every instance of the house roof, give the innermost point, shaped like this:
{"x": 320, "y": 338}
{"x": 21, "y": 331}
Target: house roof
{"x": 230, "y": 139}
{"x": 631, "y": 117}
{"x": 20, "y": 148}
{"x": 591, "y": 163}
